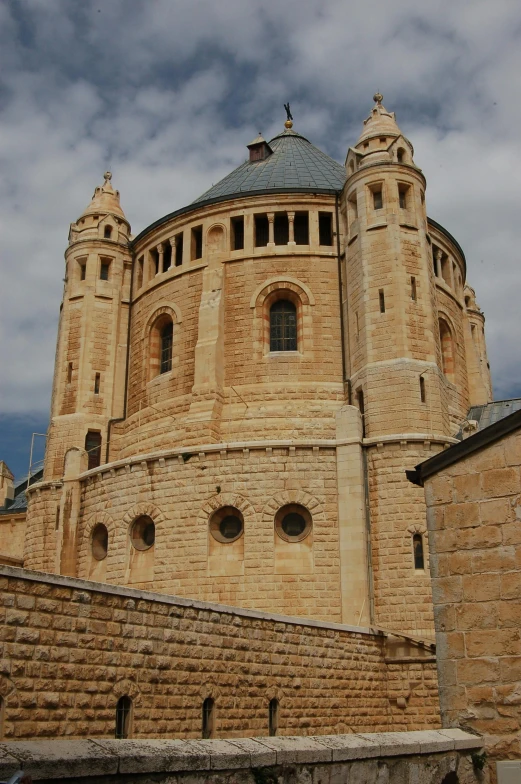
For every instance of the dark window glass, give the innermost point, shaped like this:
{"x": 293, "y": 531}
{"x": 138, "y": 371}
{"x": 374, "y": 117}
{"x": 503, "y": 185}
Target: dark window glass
{"x": 302, "y": 228}
{"x": 281, "y": 230}
{"x": 293, "y": 524}
{"x": 167, "y": 335}
{"x": 238, "y": 233}
{"x": 167, "y": 256}
{"x": 262, "y": 232}
{"x": 197, "y": 242}
{"x": 104, "y": 270}
{"x": 413, "y": 289}
{"x": 325, "y": 228}
{"x": 378, "y": 200}
{"x": 283, "y": 326}
{"x": 208, "y": 718}
{"x": 93, "y": 448}
{"x": 107, "y": 232}
{"x": 83, "y": 270}
{"x": 179, "y": 250}
{"x": 422, "y": 390}
{"x": 417, "y": 543}
{"x": 230, "y": 527}
{"x": 381, "y": 296}
{"x": 273, "y": 717}
{"x": 403, "y": 199}
{"x": 123, "y": 711}
{"x": 96, "y": 383}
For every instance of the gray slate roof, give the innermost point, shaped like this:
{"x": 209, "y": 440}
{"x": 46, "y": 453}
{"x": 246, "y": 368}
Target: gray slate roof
{"x": 295, "y": 164}
{"x": 489, "y": 413}
{"x": 19, "y": 502}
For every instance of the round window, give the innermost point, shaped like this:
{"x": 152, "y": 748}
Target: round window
{"x": 100, "y": 542}
{"x": 293, "y": 522}
{"x": 143, "y": 533}
{"x": 226, "y": 524}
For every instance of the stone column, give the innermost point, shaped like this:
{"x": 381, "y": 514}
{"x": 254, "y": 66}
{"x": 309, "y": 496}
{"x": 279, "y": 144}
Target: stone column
{"x": 291, "y": 222}
{"x": 271, "y": 230}
{"x": 173, "y": 242}
{"x": 161, "y": 253}
{"x": 438, "y": 263}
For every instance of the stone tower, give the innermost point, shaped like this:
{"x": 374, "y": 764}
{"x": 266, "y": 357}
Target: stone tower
{"x": 89, "y": 376}
{"x": 395, "y": 363}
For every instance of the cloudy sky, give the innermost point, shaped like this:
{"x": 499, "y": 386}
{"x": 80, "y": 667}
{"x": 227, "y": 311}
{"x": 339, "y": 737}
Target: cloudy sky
{"x": 166, "y": 93}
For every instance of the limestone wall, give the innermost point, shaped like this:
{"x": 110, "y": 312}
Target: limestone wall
{"x": 70, "y": 649}
{"x": 12, "y": 536}
{"x": 474, "y": 515}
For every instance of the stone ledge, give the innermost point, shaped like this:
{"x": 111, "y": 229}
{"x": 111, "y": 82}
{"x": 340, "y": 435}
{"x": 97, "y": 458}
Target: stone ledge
{"x": 62, "y": 759}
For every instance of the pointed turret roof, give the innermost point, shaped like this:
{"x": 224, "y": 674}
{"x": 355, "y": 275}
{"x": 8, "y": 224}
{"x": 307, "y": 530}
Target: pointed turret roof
{"x": 380, "y": 122}
{"x": 105, "y": 199}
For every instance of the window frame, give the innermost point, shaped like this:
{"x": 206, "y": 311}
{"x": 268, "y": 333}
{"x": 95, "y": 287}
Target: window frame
{"x": 290, "y": 311}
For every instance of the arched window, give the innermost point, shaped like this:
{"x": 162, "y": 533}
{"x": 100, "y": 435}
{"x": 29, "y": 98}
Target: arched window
{"x": 143, "y": 533}
{"x": 400, "y": 155}
{"x": 208, "y": 717}
{"x": 273, "y": 717}
{"x": 417, "y": 546}
{"x": 123, "y": 718}
{"x": 100, "y": 542}
{"x": 167, "y": 336}
{"x": 93, "y": 448}
{"x": 293, "y": 522}
{"x": 107, "y": 232}
{"x": 447, "y": 350}
{"x": 283, "y": 326}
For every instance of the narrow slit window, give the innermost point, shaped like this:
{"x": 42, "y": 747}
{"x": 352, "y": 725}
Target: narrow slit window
{"x": 403, "y": 196}
{"x": 104, "y": 272}
{"x": 179, "y": 249}
{"x": 123, "y": 718}
{"x": 273, "y": 717}
{"x": 417, "y": 545}
{"x": 283, "y": 326}
{"x": 154, "y": 260}
{"x": 261, "y": 231}
{"x": 83, "y": 270}
{"x": 281, "y": 229}
{"x": 301, "y": 228}
{"x": 69, "y": 373}
{"x": 140, "y": 267}
{"x": 93, "y": 448}
{"x": 97, "y": 379}
{"x": 208, "y": 718}
{"x": 378, "y": 201}
{"x": 167, "y": 335}
{"x": 413, "y": 288}
{"x": 423, "y": 396}
{"x": 357, "y": 325}
{"x": 361, "y": 408}
{"x": 57, "y": 519}
{"x": 197, "y": 242}
{"x": 167, "y": 256}
{"x": 238, "y": 233}
{"x": 381, "y": 297}
{"x": 325, "y": 228}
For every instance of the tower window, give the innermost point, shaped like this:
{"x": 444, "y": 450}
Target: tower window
{"x": 361, "y": 408}
{"x": 281, "y": 229}
{"x": 447, "y": 350}
{"x": 107, "y": 232}
{"x": 167, "y": 256}
{"x": 93, "y": 448}
{"x": 378, "y": 201}
{"x": 69, "y": 373}
{"x": 413, "y": 288}
{"x": 283, "y": 326}
{"x": 97, "y": 378}
{"x": 262, "y": 231}
{"x": 154, "y": 260}
{"x": 423, "y": 397}
{"x": 238, "y": 233}
{"x": 179, "y": 249}
{"x": 400, "y": 155}
{"x": 123, "y": 718}
{"x": 403, "y": 196}
{"x": 167, "y": 335}
{"x": 208, "y": 718}
{"x": 197, "y": 242}
{"x": 417, "y": 544}
{"x": 383, "y": 140}
{"x": 381, "y": 297}
{"x": 273, "y": 717}
{"x": 302, "y": 228}
{"x": 83, "y": 269}
{"x": 104, "y": 271}
{"x": 140, "y": 266}
{"x": 325, "y": 228}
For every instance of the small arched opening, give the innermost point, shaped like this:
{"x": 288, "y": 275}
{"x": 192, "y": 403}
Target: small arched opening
{"x": 208, "y": 718}
{"x": 123, "y": 718}
{"x": 107, "y": 232}
{"x": 273, "y": 717}
{"x": 447, "y": 350}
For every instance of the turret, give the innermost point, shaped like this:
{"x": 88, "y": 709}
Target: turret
{"x": 89, "y": 379}
{"x": 394, "y": 348}
{"x": 480, "y": 384}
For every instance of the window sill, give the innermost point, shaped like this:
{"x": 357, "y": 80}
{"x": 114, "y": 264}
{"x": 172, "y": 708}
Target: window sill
{"x": 283, "y": 354}
{"x": 157, "y": 379}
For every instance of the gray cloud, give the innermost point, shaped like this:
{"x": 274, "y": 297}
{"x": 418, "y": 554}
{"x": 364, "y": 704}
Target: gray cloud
{"x": 167, "y": 93}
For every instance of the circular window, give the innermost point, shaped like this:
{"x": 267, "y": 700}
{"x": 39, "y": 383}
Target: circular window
{"x": 226, "y": 524}
{"x": 100, "y": 542}
{"x": 293, "y": 522}
{"x": 143, "y": 533}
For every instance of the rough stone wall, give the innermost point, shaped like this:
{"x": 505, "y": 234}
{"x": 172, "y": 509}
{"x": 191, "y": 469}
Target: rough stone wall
{"x": 12, "y": 536}
{"x": 403, "y": 599}
{"x": 69, "y": 649}
{"x": 40, "y": 544}
{"x": 474, "y": 518}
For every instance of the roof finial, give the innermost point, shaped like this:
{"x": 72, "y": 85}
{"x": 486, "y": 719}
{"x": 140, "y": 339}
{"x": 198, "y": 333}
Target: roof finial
{"x": 288, "y": 124}
{"x": 378, "y": 98}
{"x": 108, "y": 176}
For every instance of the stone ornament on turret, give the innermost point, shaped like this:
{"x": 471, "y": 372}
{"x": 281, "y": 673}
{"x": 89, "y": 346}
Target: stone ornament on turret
{"x": 103, "y": 217}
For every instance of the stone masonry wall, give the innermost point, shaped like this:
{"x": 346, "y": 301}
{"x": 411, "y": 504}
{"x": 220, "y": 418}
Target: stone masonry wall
{"x": 474, "y": 517}
{"x": 69, "y": 649}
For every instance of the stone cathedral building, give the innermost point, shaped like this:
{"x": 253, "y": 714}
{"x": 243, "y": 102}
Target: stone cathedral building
{"x": 239, "y": 389}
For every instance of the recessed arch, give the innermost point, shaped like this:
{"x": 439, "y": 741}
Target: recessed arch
{"x": 273, "y": 284}
{"x": 448, "y": 348}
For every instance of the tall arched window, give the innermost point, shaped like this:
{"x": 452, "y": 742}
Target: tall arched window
{"x": 208, "y": 717}
{"x": 273, "y": 717}
{"x": 447, "y": 350}
{"x": 123, "y": 718}
{"x": 167, "y": 336}
{"x": 283, "y": 326}
{"x": 417, "y": 546}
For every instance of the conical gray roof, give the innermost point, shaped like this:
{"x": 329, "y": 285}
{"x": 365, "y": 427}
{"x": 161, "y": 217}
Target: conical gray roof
{"x": 295, "y": 165}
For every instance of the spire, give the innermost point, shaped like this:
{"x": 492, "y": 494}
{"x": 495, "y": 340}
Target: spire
{"x": 380, "y": 122}
{"x": 105, "y": 199}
